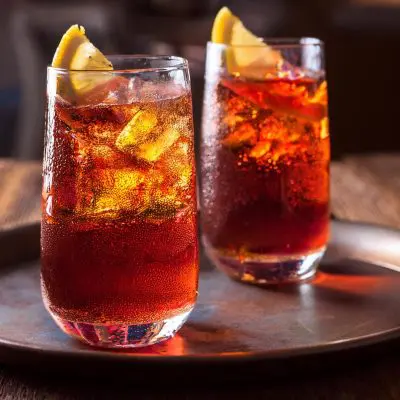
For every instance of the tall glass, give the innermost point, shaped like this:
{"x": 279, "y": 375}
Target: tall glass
{"x": 265, "y": 164}
{"x": 119, "y": 246}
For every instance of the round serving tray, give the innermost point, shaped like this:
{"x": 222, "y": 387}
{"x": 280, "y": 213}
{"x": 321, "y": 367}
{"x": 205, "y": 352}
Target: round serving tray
{"x": 354, "y": 302}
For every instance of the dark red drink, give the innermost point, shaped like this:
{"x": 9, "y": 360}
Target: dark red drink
{"x": 265, "y": 175}
{"x": 119, "y": 232}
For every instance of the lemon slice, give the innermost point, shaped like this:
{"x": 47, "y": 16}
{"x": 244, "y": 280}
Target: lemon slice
{"x": 223, "y": 26}
{"x": 246, "y": 54}
{"x": 75, "y": 53}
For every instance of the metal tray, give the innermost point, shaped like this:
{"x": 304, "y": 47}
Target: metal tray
{"x": 353, "y": 303}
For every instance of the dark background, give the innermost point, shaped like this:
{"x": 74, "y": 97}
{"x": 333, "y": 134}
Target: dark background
{"x": 362, "y": 48}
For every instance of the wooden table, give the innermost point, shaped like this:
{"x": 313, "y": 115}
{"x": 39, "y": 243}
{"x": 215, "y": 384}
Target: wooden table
{"x": 364, "y": 188}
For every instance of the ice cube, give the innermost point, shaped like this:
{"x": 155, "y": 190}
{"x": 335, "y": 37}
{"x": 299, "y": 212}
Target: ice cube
{"x": 150, "y": 151}
{"x": 164, "y": 206}
{"x": 238, "y": 110}
{"x": 127, "y": 179}
{"x": 104, "y": 88}
{"x": 103, "y": 180}
{"x": 282, "y": 98}
{"x": 150, "y": 91}
{"x": 177, "y": 165}
{"x": 122, "y": 190}
{"x": 123, "y": 91}
{"x": 95, "y": 124}
{"x": 102, "y": 156}
{"x": 321, "y": 94}
{"x": 137, "y": 131}
{"x": 70, "y": 115}
{"x": 260, "y": 149}
{"x": 244, "y": 135}
{"x": 62, "y": 89}
{"x": 324, "y": 133}
{"x": 273, "y": 128}
{"x": 109, "y": 205}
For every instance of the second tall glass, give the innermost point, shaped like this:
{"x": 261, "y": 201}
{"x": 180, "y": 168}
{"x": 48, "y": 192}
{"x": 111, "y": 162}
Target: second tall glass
{"x": 265, "y": 163}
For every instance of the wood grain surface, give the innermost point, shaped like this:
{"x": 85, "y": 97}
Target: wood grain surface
{"x": 364, "y": 188}
{"x": 20, "y": 188}
{"x": 367, "y": 189}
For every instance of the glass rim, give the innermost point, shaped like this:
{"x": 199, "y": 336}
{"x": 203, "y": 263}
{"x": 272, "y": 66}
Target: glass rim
{"x": 180, "y": 63}
{"x": 277, "y": 42}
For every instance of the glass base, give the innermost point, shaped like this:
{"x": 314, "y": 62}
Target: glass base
{"x": 269, "y": 270}
{"x": 123, "y": 336}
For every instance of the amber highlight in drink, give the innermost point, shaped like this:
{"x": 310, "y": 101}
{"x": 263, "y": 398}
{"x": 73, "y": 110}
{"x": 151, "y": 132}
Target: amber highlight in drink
{"x": 265, "y": 174}
{"x": 119, "y": 246}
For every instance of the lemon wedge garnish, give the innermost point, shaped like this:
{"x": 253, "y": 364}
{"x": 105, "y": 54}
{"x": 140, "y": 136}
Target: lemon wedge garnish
{"x": 75, "y": 53}
{"x": 246, "y": 54}
{"x": 223, "y": 26}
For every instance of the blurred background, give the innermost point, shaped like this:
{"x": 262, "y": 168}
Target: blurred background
{"x": 362, "y": 49}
